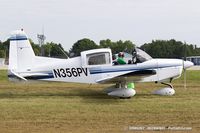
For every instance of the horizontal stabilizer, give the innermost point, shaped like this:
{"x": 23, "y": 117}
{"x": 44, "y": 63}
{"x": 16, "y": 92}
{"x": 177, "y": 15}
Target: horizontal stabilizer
{"x": 18, "y": 76}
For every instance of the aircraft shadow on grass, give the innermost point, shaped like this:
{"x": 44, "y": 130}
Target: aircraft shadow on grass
{"x": 85, "y": 94}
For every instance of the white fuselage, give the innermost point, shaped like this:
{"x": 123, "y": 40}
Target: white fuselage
{"x": 71, "y": 70}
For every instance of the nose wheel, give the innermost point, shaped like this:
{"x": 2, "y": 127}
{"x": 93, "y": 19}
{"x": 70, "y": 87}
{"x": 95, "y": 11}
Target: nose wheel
{"x": 167, "y": 91}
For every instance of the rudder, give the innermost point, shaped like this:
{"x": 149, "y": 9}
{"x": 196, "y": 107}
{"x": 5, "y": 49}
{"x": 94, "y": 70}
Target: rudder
{"x": 21, "y": 54}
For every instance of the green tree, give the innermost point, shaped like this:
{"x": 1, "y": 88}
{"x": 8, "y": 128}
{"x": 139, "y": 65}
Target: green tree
{"x": 47, "y": 49}
{"x": 36, "y": 47}
{"x": 50, "y": 49}
{"x": 169, "y": 49}
{"x": 119, "y": 46}
{"x": 82, "y": 45}
{"x": 54, "y": 50}
{"x": 2, "y": 54}
{"x": 5, "y": 47}
{"x": 106, "y": 43}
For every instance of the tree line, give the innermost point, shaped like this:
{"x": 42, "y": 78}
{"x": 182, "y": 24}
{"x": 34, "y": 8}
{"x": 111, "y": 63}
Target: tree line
{"x": 170, "y": 49}
{"x": 50, "y": 49}
{"x": 156, "y": 48}
{"x": 87, "y": 44}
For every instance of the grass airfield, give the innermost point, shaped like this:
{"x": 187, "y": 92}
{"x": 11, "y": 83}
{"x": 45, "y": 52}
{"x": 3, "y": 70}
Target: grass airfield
{"x": 66, "y": 107}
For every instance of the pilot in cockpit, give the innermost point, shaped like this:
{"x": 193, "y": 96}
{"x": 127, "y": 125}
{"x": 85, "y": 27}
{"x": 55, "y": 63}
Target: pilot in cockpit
{"x": 120, "y": 59}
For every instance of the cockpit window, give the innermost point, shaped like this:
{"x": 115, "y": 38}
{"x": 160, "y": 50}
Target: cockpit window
{"x": 142, "y": 56}
{"x": 137, "y": 56}
{"x": 98, "y": 58}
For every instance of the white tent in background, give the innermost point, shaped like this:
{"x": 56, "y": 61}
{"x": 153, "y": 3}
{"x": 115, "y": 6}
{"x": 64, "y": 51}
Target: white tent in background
{"x": 2, "y": 61}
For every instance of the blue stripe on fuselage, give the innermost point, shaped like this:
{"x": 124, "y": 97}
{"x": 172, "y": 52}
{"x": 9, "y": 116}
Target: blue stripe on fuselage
{"x": 99, "y": 70}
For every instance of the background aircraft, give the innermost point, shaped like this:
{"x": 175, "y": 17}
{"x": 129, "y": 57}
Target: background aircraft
{"x": 93, "y": 66}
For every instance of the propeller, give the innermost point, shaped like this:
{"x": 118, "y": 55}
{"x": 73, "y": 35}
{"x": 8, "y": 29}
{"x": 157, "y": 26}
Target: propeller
{"x": 184, "y": 68}
{"x": 185, "y": 78}
{"x": 186, "y": 65}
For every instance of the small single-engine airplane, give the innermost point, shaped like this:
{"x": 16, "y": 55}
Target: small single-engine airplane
{"x": 92, "y": 66}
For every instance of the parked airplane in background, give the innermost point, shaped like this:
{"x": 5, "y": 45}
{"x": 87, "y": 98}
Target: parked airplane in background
{"x": 93, "y": 66}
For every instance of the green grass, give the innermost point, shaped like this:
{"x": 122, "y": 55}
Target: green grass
{"x": 67, "y": 107}
{"x": 3, "y": 75}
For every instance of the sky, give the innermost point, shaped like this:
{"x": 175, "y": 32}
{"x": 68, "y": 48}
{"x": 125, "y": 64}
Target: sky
{"x": 67, "y": 21}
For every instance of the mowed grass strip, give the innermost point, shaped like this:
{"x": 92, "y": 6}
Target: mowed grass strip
{"x": 68, "y": 107}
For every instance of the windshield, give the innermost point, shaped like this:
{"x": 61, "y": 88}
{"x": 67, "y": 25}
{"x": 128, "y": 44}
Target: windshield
{"x": 142, "y": 56}
{"x": 137, "y": 56}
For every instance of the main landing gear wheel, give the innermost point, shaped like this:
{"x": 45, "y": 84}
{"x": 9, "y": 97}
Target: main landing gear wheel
{"x": 122, "y": 91}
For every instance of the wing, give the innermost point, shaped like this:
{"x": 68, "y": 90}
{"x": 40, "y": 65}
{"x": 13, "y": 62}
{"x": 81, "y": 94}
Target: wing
{"x": 133, "y": 76}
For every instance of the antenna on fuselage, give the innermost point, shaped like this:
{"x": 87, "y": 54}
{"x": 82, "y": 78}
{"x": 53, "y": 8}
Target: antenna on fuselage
{"x": 64, "y": 52}
{"x": 184, "y": 70}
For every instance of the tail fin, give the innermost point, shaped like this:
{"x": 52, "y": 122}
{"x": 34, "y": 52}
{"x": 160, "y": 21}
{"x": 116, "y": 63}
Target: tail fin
{"x": 21, "y": 54}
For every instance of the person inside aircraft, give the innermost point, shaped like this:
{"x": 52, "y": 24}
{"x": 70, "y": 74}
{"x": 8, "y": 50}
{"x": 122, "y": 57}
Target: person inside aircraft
{"x": 120, "y": 59}
{"x": 114, "y": 60}
{"x": 133, "y": 60}
{"x": 139, "y": 56}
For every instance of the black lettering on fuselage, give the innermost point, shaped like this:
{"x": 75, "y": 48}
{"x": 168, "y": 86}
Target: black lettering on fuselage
{"x": 63, "y": 73}
{"x": 79, "y": 70}
{"x": 85, "y": 71}
{"x": 56, "y": 73}
{"x": 74, "y": 72}
{"x": 70, "y": 72}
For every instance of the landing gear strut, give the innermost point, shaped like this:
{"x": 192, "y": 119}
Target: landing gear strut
{"x": 168, "y": 84}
